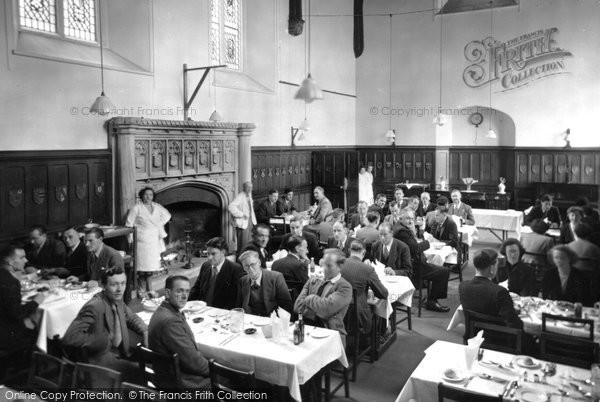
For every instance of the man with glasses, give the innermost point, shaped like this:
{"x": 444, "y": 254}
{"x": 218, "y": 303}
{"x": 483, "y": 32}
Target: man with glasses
{"x": 170, "y": 333}
{"x": 261, "y": 291}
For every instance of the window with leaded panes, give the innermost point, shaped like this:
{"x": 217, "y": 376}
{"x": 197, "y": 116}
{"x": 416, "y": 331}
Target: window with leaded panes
{"x": 225, "y": 33}
{"x": 72, "y": 19}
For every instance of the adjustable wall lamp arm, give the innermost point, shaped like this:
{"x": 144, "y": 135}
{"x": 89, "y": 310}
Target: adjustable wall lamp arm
{"x": 187, "y": 103}
{"x": 294, "y": 132}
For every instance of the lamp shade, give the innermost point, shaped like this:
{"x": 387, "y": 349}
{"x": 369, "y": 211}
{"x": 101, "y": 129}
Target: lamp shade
{"x": 305, "y": 125}
{"x": 102, "y": 105}
{"x": 390, "y": 135}
{"x": 440, "y": 119}
{"x": 491, "y": 134}
{"x": 309, "y": 91}
{"x": 215, "y": 116}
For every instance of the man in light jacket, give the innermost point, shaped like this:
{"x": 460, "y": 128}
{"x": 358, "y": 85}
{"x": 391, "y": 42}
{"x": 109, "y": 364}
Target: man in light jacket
{"x": 242, "y": 211}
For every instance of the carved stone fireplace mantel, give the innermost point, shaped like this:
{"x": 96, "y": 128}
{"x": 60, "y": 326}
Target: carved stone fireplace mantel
{"x": 166, "y": 155}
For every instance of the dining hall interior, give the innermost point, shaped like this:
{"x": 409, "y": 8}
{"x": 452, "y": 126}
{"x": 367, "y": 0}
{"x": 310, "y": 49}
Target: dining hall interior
{"x": 300, "y": 200}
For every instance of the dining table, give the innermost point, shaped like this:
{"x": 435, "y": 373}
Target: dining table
{"x": 496, "y": 373}
{"x": 494, "y": 220}
{"x": 278, "y": 362}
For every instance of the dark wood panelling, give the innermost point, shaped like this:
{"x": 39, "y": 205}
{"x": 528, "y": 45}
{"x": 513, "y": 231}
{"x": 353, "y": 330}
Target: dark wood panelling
{"x": 53, "y": 188}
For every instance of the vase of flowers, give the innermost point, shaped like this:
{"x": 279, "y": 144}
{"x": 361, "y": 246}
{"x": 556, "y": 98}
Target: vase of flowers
{"x": 469, "y": 181}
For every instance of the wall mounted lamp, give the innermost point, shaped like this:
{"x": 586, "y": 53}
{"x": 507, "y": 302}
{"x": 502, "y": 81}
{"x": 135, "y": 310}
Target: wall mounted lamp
{"x": 298, "y": 132}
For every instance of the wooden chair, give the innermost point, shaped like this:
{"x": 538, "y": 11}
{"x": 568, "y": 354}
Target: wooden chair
{"x": 47, "y": 372}
{"x": 401, "y": 308}
{"x": 351, "y": 323}
{"x": 86, "y": 376}
{"x": 128, "y": 396}
{"x": 158, "y": 370}
{"x": 13, "y": 364}
{"x": 462, "y": 250}
{"x": 497, "y": 335}
{"x": 228, "y": 380}
{"x": 462, "y": 395}
{"x": 575, "y": 322}
{"x": 569, "y": 350}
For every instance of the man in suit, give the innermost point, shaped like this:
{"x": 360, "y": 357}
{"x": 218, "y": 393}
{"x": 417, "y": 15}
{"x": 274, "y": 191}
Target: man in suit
{"x": 170, "y": 333}
{"x": 481, "y": 295}
{"x": 244, "y": 219}
{"x": 217, "y": 282}
{"x": 413, "y": 203}
{"x": 444, "y": 228}
{"x": 437, "y": 275}
{"x": 392, "y": 252}
{"x": 293, "y": 266}
{"x": 268, "y": 208}
{"x": 461, "y": 209}
{"x": 430, "y": 216}
{"x": 537, "y": 242}
{"x": 261, "y": 291}
{"x": 99, "y": 257}
{"x": 13, "y": 332}
{"x": 426, "y": 205}
{"x": 340, "y": 238}
{"x": 323, "y": 208}
{"x": 362, "y": 277}
{"x": 394, "y": 213}
{"x": 297, "y": 229}
{"x": 369, "y": 234}
{"x": 324, "y": 302}
{"x": 260, "y": 239}
{"x": 360, "y": 217}
{"x": 102, "y": 327}
{"x": 285, "y": 204}
{"x": 76, "y": 253}
{"x": 44, "y": 251}
{"x": 544, "y": 211}
{"x": 379, "y": 205}
{"x": 399, "y": 198}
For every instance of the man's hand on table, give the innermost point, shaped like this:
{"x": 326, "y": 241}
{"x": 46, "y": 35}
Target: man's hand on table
{"x": 389, "y": 271}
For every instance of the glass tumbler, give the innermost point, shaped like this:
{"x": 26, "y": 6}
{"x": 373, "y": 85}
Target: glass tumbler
{"x": 236, "y": 320}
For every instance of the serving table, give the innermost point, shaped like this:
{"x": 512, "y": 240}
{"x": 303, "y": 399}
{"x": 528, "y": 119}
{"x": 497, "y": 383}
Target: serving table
{"x": 441, "y": 356}
{"x": 280, "y": 363}
{"x": 503, "y": 221}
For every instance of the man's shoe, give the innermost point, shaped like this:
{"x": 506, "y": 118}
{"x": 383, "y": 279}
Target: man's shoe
{"x": 437, "y": 307}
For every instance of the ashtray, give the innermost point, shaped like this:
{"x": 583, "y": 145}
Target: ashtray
{"x": 197, "y": 320}
{"x": 250, "y": 331}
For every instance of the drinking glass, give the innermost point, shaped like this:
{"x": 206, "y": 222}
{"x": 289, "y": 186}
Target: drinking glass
{"x": 236, "y": 320}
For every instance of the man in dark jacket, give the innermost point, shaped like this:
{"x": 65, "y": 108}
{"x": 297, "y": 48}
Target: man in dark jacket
{"x": 392, "y": 252}
{"x": 267, "y": 208}
{"x": 297, "y": 229}
{"x": 261, "y": 234}
{"x": 217, "y": 283}
{"x": 44, "y": 251}
{"x": 292, "y": 266}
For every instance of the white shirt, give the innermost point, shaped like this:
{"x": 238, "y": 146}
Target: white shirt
{"x": 220, "y": 265}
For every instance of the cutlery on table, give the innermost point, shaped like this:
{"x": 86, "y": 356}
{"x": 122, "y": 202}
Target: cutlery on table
{"x": 492, "y": 378}
{"x": 231, "y": 338}
{"x": 468, "y": 381}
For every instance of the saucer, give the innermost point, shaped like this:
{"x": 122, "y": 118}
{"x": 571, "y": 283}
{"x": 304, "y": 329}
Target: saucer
{"x": 319, "y": 333}
{"x": 521, "y": 362}
{"x": 457, "y": 377}
{"x": 531, "y": 395}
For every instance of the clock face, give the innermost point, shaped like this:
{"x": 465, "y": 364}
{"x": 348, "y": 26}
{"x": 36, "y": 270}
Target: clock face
{"x": 476, "y": 118}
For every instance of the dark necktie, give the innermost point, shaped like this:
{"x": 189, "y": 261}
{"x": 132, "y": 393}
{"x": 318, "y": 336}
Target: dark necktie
{"x": 211, "y": 286}
{"x": 255, "y": 285}
{"x": 322, "y": 288}
{"x": 438, "y": 232}
{"x": 118, "y": 335}
{"x": 385, "y": 252}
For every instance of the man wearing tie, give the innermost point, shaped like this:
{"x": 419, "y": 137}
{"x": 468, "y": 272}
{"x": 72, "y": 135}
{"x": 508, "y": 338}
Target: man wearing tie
{"x": 76, "y": 252}
{"x": 102, "y": 327}
{"x": 244, "y": 219}
{"x": 392, "y": 252}
{"x": 426, "y": 205}
{"x": 340, "y": 239}
{"x": 260, "y": 239}
{"x": 323, "y": 209}
{"x": 444, "y": 229}
{"x": 324, "y": 302}
{"x": 217, "y": 283}
{"x": 461, "y": 209}
{"x": 100, "y": 256}
{"x": 261, "y": 291}
{"x": 268, "y": 207}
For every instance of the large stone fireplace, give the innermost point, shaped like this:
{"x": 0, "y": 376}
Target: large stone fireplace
{"x": 195, "y": 169}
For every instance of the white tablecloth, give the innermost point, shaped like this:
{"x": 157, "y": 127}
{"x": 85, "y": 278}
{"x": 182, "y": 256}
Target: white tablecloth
{"x": 554, "y": 233}
{"x": 495, "y": 219}
{"x": 423, "y": 382}
{"x": 401, "y": 290}
{"x": 469, "y": 233}
{"x": 58, "y": 311}
{"x": 282, "y": 363}
{"x": 446, "y": 255}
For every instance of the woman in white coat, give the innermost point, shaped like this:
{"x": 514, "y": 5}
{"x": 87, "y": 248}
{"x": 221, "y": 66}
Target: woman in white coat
{"x": 149, "y": 218}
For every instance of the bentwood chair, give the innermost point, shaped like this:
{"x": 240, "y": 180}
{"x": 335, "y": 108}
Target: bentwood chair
{"x": 496, "y": 334}
{"x": 158, "y": 370}
{"x": 226, "y": 380}
{"x": 47, "y": 372}
{"x": 86, "y": 376}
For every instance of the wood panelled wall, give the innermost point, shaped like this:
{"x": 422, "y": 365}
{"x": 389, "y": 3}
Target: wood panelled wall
{"x": 281, "y": 168}
{"x": 522, "y": 168}
{"x": 54, "y": 188}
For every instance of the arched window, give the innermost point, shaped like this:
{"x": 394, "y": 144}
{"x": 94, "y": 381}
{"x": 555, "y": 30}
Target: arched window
{"x": 72, "y": 19}
{"x": 225, "y": 33}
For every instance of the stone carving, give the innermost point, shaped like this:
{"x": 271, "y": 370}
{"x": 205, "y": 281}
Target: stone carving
{"x": 141, "y": 150}
{"x": 39, "y": 195}
{"x": 174, "y": 152}
{"x": 270, "y": 172}
{"x": 228, "y": 155}
{"x": 158, "y": 150}
{"x": 189, "y": 149}
{"x": 203, "y": 150}
{"x": 255, "y": 173}
{"x": 15, "y": 197}
{"x": 81, "y": 190}
{"x": 589, "y": 170}
{"x": 277, "y": 172}
{"x": 60, "y": 192}
{"x": 217, "y": 151}
{"x": 99, "y": 188}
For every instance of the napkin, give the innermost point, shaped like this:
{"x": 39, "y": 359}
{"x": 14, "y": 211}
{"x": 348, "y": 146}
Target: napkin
{"x": 356, "y": 228}
{"x": 427, "y": 236}
{"x": 504, "y": 284}
{"x": 279, "y": 254}
{"x": 472, "y": 348}
{"x": 379, "y": 269}
{"x": 280, "y": 321}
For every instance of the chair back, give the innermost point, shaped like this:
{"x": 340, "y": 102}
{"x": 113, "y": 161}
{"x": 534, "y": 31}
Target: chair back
{"x": 158, "y": 370}
{"x": 497, "y": 335}
{"x": 47, "y": 372}
{"x": 73, "y": 354}
{"x": 278, "y": 226}
{"x": 462, "y": 395}
{"x": 229, "y": 380}
{"x": 86, "y": 376}
{"x": 586, "y": 325}
{"x": 569, "y": 350}
{"x": 128, "y": 396}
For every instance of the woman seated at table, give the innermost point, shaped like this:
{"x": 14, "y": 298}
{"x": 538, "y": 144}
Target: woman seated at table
{"x": 545, "y": 211}
{"x": 574, "y": 216}
{"x": 537, "y": 244}
{"x": 563, "y": 281}
{"x": 520, "y": 276}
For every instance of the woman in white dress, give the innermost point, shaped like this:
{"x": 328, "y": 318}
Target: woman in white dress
{"x": 365, "y": 184}
{"x": 149, "y": 218}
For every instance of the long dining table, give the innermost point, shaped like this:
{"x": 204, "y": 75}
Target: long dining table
{"x": 495, "y": 374}
{"x": 277, "y": 362}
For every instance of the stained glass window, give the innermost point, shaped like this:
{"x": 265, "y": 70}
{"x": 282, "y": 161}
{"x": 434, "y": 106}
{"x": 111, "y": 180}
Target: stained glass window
{"x": 225, "y": 43}
{"x": 78, "y": 17}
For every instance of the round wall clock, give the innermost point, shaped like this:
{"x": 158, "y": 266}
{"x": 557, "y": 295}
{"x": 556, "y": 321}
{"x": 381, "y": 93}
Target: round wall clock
{"x": 476, "y": 119}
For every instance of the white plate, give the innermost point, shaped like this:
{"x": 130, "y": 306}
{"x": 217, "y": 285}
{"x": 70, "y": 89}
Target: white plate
{"x": 75, "y": 286}
{"x": 261, "y": 321}
{"x": 194, "y": 305}
{"x": 520, "y": 360}
{"x": 531, "y": 395}
{"x": 320, "y": 333}
{"x": 392, "y": 279}
{"x": 216, "y": 313}
{"x": 460, "y": 376}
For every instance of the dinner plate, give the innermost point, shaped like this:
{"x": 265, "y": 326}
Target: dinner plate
{"x": 216, "y": 314}
{"x": 261, "y": 321}
{"x": 194, "y": 305}
{"x": 75, "y": 286}
{"x": 152, "y": 304}
{"x": 459, "y": 376}
{"x": 392, "y": 279}
{"x": 320, "y": 333}
{"x": 522, "y": 362}
{"x": 531, "y": 395}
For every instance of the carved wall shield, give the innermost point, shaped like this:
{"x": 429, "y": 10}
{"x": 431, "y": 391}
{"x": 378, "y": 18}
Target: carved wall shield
{"x": 81, "y": 190}
{"x": 99, "y": 188}
{"x": 60, "y": 192}
{"x": 15, "y": 197}
{"x": 39, "y": 195}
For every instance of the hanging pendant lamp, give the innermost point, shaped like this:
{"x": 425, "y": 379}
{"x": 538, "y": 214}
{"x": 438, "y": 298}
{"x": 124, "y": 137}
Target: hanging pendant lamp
{"x": 491, "y": 134}
{"x": 102, "y": 105}
{"x": 390, "y": 135}
{"x": 215, "y": 116}
{"x": 440, "y": 120}
{"x": 309, "y": 91}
